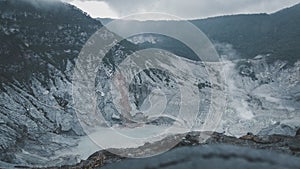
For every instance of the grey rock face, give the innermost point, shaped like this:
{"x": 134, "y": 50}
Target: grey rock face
{"x": 262, "y": 97}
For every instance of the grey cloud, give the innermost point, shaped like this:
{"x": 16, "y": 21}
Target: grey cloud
{"x": 197, "y": 8}
{"x": 44, "y": 4}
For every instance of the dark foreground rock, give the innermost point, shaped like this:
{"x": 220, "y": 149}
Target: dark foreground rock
{"x": 298, "y": 132}
{"x": 212, "y": 156}
{"x": 206, "y": 150}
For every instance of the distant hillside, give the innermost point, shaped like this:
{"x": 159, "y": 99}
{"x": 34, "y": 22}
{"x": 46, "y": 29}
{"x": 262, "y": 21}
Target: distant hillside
{"x": 105, "y": 21}
{"x": 276, "y": 34}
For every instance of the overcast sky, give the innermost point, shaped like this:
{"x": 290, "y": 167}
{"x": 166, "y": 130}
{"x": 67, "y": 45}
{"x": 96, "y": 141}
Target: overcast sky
{"x": 186, "y": 9}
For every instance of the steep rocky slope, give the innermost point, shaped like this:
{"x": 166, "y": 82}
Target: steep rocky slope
{"x": 39, "y": 42}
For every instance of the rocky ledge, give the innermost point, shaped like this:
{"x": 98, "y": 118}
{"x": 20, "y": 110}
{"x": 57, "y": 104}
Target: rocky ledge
{"x": 217, "y": 151}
